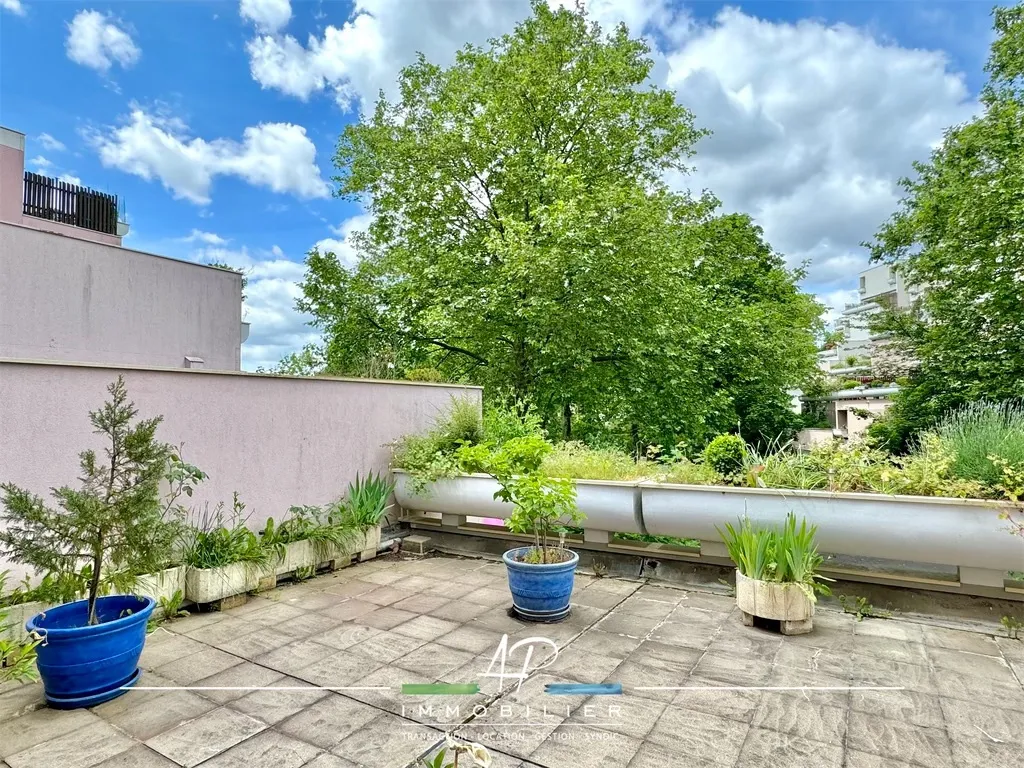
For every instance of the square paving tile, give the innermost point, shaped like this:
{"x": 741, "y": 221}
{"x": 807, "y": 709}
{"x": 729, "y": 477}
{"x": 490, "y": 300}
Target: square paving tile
{"x": 767, "y": 749}
{"x": 197, "y": 740}
{"x": 732, "y": 670}
{"x": 196, "y": 666}
{"x": 346, "y": 635}
{"x": 266, "y": 750}
{"x": 585, "y": 747}
{"x": 459, "y": 611}
{"x": 19, "y": 734}
{"x": 82, "y": 748}
{"x": 139, "y": 756}
{"x": 328, "y": 721}
{"x": 340, "y": 669}
{"x": 273, "y": 706}
{"x": 239, "y": 677}
{"x": 912, "y": 744}
{"x": 632, "y": 716}
{"x": 894, "y": 630}
{"x": 386, "y": 646}
{"x": 253, "y": 644}
{"x": 798, "y": 717}
{"x": 975, "y": 664}
{"x": 969, "y": 720}
{"x": 294, "y": 656}
{"x": 384, "y": 618}
{"x": 470, "y": 638}
{"x": 652, "y": 756}
{"x": 145, "y": 714}
{"x": 426, "y": 628}
{"x": 902, "y": 706}
{"x": 350, "y": 610}
{"x": 433, "y": 660}
{"x": 387, "y": 741}
{"x": 728, "y": 703}
{"x": 583, "y": 666}
{"x": 957, "y": 640}
{"x": 700, "y": 735}
{"x": 606, "y": 644}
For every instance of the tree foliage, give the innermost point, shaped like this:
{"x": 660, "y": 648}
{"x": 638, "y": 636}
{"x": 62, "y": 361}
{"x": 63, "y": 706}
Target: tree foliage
{"x": 524, "y": 238}
{"x": 959, "y": 236}
{"x": 109, "y": 530}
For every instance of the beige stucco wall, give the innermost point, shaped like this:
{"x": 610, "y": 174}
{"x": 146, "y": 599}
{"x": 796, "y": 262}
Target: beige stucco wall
{"x": 64, "y": 298}
{"x": 279, "y": 441}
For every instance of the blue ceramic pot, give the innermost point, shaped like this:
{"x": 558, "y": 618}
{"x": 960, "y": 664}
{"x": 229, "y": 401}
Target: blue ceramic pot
{"x": 540, "y": 592}
{"x": 83, "y": 665}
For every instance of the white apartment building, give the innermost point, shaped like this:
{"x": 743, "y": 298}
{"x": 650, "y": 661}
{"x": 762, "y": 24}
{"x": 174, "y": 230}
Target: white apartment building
{"x": 879, "y": 287}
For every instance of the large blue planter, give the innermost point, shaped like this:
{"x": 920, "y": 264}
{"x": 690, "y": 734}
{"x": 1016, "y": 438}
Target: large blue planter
{"x": 540, "y": 592}
{"x": 83, "y": 665}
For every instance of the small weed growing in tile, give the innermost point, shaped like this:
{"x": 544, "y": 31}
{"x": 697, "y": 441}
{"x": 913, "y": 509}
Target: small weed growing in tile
{"x": 475, "y": 752}
{"x": 860, "y": 607}
{"x": 1013, "y": 626}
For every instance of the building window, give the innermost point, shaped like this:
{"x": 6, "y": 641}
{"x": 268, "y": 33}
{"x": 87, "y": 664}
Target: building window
{"x": 863, "y": 283}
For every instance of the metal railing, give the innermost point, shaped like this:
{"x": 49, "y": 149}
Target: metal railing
{"x": 56, "y": 200}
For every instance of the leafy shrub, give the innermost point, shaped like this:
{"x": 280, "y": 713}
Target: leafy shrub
{"x": 210, "y": 543}
{"x": 16, "y": 657}
{"x": 687, "y": 472}
{"x": 505, "y": 421}
{"x": 726, "y": 454}
{"x": 787, "y": 555}
{"x": 367, "y": 500}
{"x": 424, "y": 374}
{"x": 431, "y": 456}
{"x": 326, "y": 529}
{"x": 976, "y": 432}
{"x": 576, "y": 460}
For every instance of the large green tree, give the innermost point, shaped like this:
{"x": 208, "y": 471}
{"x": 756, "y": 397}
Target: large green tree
{"x": 959, "y": 237}
{"x": 524, "y": 238}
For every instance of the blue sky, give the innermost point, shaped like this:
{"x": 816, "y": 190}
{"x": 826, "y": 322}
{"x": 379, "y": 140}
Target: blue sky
{"x": 216, "y": 120}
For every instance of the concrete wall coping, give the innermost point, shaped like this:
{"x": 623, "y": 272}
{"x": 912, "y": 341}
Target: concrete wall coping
{"x": 251, "y": 374}
{"x": 238, "y": 273}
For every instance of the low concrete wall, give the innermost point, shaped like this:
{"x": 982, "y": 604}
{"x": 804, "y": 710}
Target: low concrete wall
{"x": 278, "y": 440}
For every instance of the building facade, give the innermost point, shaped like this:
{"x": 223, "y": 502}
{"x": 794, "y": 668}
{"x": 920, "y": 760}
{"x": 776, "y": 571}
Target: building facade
{"x": 69, "y": 291}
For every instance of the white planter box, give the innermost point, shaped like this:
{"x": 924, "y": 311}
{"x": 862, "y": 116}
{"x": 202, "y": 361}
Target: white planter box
{"x": 608, "y": 505}
{"x": 957, "y": 532}
{"x": 17, "y": 615}
{"x": 207, "y": 585}
{"x": 163, "y": 584}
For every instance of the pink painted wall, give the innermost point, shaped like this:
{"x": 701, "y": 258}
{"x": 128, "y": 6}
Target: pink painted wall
{"x": 279, "y": 441}
{"x": 64, "y": 298}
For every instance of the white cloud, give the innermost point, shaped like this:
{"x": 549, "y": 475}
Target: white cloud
{"x": 267, "y": 15}
{"x": 275, "y": 155}
{"x": 276, "y": 328}
{"x": 364, "y": 54}
{"x": 98, "y": 40}
{"x": 342, "y": 245}
{"x": 14, "y": 6}
{"x": 41, "y": 164}
{"x": 210, "y": 238}
{"x": 51, "y": 144}
{"x": 67, "y": 177}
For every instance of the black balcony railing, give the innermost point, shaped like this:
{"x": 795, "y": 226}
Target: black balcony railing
{"x": 47, "y": 198}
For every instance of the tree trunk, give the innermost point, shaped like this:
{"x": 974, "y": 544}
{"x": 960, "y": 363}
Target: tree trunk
{"x": 94, "y": 583}
{"x": 634, "y": 439}
{"x": 567, "y": 421}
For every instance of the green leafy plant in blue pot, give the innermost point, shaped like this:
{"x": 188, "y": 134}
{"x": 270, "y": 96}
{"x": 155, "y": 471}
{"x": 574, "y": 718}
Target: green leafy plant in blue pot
{"x": 102, "y": 535}
{"x": 540, "y": 576}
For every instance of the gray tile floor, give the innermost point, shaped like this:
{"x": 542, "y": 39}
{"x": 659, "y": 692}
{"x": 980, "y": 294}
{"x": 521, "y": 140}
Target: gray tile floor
{"x": 700, "y": 689}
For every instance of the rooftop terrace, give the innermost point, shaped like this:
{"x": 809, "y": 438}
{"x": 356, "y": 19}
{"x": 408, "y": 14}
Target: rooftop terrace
{"x": 698, "y": 688}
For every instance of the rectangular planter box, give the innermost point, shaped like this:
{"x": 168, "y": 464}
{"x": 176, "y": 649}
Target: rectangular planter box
{"x": 163, "y": 584}
{"x": 609, "y": 505}
{"x": 207, "y": 585}
{"x": 921, "y": 529}
{"x": 17, "y": 615}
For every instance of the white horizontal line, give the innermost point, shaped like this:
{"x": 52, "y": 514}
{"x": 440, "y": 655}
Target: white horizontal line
{"x": 249, "y": 688}
{"x": 770, "y": 688}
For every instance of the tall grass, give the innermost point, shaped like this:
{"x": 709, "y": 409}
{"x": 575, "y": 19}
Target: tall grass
{"x": 576, "y": 460}
{"x": 975, "y": 432}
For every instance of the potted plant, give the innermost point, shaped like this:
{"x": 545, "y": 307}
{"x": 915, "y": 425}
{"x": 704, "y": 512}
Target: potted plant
{"x": 540, "y": 576}
{"x": 104, "y": 534}
{"x": 776, "y": 573}
{"x": 223, "y": 559}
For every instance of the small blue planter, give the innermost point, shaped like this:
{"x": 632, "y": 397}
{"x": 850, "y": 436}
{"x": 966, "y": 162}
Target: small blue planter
{"x": 83, "y": 665}
{"x": 540, "y": 592}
